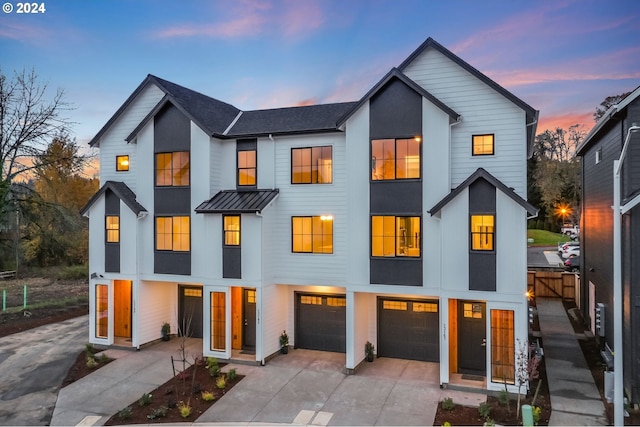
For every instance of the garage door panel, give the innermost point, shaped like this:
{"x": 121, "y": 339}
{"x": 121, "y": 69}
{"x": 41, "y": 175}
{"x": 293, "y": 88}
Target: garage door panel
{"x": 321, "y": 323}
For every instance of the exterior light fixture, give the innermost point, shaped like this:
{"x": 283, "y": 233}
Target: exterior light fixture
{"x": 326, "y": 218}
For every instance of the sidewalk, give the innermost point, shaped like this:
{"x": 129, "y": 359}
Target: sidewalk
{"x": 575, "y": 399}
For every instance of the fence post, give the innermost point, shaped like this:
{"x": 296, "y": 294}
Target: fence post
{"x": 24, "y": 304}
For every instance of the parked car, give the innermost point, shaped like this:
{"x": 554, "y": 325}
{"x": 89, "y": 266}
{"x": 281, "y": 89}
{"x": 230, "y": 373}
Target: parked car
{"x": 572, "y": 263}
{"x": 563, "y": 246}
{"x": 571, "y": 251}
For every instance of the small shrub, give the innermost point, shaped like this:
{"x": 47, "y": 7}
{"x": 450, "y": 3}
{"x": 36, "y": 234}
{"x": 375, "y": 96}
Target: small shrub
{"x": 125, "y": 413}
{"x": 446, "y": 424}
{"x": 145, "y": 399}
{"x": 184, "y": 409}
{"x": 212, "y": 366}
{"x": 158, "y": 413}
{"x": 104, "y": 358}
{"x": 490, "y": 422}
{"x": 91, "y": 362}
{"x": 536, "y": 411}
{"x": 232, "y": 374}
{"x": 447, "y": 404}
{"x": 207, "y": 396}
{"x": 484, "y": 410}
{"x": 89, "y": 349}
{"x": 503, "y": 397}
{"x": 221, "y": 382}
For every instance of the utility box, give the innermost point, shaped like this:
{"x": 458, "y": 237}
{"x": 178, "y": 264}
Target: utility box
{"x": 600, "y": 319}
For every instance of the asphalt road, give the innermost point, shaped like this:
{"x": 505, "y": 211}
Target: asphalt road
{"x": 33, "y": 364}
{"x": 536, "y": 258}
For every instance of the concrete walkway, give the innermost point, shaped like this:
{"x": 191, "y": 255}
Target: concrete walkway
{"x": 575, "y": 399}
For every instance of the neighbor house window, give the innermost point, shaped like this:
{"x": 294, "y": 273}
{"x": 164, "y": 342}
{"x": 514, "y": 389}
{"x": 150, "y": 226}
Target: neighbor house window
{"x": 113, "y": 229}
{"x": 102, "y": 311}
{"x": 483, "y": 145}
{"x": 598, "y": 155}
{"x": 218, "y": 321}
{"x": 172, "y": 169}
{"x": 173, "y": 233}
{"x": 313, "y": 165}
{"x": 393, "y": 159}
{"x": 247, "y": 168}
{"x": 232, "y": 230}
{"x": 393, "y": 236}
{"x": 482, "y": 232}
{"x": 312, "y": 234}
{"x": 122, "y": 163}
{"x": 502, "y": 347}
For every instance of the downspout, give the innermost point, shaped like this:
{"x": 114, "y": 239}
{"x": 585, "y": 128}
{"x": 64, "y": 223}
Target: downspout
{"x": 141, "y": 215}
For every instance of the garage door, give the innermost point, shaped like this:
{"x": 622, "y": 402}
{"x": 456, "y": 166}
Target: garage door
{"x": 321, "y": 322}
{"x": 408, "y": 329}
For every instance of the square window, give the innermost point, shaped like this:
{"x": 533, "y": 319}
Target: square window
{"x": 312, "y": 165}
{"x": 122, "y": 163}
{"x": 393, "y": 159}
{"x": 483, "y": 145}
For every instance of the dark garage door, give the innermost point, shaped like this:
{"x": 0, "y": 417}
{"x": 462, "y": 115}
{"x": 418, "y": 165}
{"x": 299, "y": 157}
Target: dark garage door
{"x": 408, "y": 329}
{"x": 321, "y": 322}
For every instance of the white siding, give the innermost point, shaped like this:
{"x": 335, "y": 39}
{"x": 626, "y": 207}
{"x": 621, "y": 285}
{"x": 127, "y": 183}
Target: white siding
{"x": 201, "y": 239}
{"x": 97, "y": 237}
{"x": 128, "y": 240}
{"x": 157, "y": 302}
{"x": 276, "y": 313}
{"x": 511, "y": 247}
{"x": 455, "y": 245}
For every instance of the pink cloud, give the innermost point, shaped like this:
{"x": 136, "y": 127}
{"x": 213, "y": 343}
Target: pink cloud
{"x": 565, "y": 120}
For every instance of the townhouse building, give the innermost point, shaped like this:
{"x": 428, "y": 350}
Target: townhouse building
{"x": 399, "y": 219}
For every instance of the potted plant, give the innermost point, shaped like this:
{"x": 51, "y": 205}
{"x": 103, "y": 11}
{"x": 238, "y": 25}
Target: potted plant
{"x": 165, "y": 330}
{"x": 368, "y": 351}
{"x": 284, "y": 342}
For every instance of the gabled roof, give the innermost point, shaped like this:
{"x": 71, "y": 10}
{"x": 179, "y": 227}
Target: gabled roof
{"x": 612, "y": 114}
{"x": 234, "y": 201}
{"x": 483, "y": 174}
{"x": 122, "y": 191}
{"x": 397, "y": 74}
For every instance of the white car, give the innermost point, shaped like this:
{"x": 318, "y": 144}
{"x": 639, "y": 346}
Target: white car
{"x": 571, "y": 251}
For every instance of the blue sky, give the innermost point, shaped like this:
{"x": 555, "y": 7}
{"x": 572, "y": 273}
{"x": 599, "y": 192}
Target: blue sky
{"x": 562, "y": 57}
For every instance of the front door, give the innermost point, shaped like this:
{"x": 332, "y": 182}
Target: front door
{"x": 249, "y": 319}
{"x": 472, "y": 338}
{"x": 190, "y": 313}
{"x": 122, "y": 308}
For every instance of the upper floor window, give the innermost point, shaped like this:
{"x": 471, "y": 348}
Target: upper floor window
{"x": 598, "y": 155}
{"x": 112, "y": 225}
{"x": 172, "y": 169}
{"x": 313, "y": 165}
{"x": 232, "y": 230}
{"x": 393, "y": 236}
{"x": 173, "y": 233}
{"x": 393, "y": 159}
{"x": 482, "y": 232}
{"x": 483, "y": 145}
{"x": 312, "y": 234}
{"x": 247, "y": 168}
{"x": 122, "y": 163}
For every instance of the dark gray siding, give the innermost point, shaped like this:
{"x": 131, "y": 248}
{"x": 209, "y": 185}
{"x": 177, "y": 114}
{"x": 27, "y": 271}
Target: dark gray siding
{"x": 482, "y": 264}
{"x": 111, "y": 250}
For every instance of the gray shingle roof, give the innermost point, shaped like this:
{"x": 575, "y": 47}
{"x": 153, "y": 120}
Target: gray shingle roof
{"x": 122, "y": 191}
{"x": 233, "y": 201}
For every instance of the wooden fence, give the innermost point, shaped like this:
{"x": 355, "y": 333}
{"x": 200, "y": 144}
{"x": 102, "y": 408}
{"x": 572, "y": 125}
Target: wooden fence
{"x": 554, "y": 284}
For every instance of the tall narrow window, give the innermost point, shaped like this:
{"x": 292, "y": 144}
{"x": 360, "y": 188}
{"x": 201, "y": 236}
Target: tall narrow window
{"x": 247, "y": 168}
{"x": 482, "y": 232}
{"x": 173, "y": 233}
{"x": 483, "y": 145}
{"x": 393, "y": 236}
{"x": 218, "y": 321}
{"x": 312, "y": 234}
{"x": 502, "y": 346}
{"x": 313, "y": 165}
{"x": 232, "y": 230}
{"x": 172, "y": 169}
{"x": 122, "y": 163}
{"x": 113, "y": 228}
{"x": 393, "y": 159}
{"x": 102, "y": 311}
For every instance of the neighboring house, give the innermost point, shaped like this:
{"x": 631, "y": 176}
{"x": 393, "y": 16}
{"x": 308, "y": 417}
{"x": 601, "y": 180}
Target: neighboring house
{"x": 599, "y": 149}
{"x": 398, "y": 219}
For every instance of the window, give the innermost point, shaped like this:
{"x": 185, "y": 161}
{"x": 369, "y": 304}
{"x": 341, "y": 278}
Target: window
{"x": 483, "y": 145}
{"x": 393, "y": 236}
{"x": 172, "y": 233}
{"x": 232, "y": 230}
{"x": 482, "y": 232}
{"x": 102, "y": 311}
{"x": 502, "y": 347}
{"x": 312, "y": 234}
{"x": 172, "y": 169}
{"x": 122, "y": 163}
{"x": 598, "y": 155}
{"x": 310, "y": 300}
{"x": 312, "y": 165}
{"x": 425, "y": 307}
{"x": 113, "y": 229}
{"x": 218, "y": 321}
{"x": 472, "y": 310}
{"x": 247, "y": 168}
{"x": 394, "y": 305}
{"x": 393, "y": 159}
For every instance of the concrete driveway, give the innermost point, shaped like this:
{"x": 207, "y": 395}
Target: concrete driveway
{"x": 32, "y": 366}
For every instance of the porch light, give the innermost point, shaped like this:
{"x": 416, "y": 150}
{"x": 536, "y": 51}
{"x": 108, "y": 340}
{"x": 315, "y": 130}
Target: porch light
{"x": 326, "y": 218}
{"x": 417, "y": 138}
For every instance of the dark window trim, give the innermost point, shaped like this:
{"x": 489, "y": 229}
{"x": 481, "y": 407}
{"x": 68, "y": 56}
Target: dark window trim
{"x": 395, "y": 256}
{"x": 106, "y": 230}
{"x": 224, "y": 232}
{"x": 119, "y": 156}
{"x": 255, "y": 168}
{"x": 311, "y": 147}
{"x": 493, "y": 145}
{"x": 312, "y": 234}
{"x": 155, "y": 233}
{"x": 495, "y": 228}
{"x": 395, "y": 147}
{"x": 155, "y": 170}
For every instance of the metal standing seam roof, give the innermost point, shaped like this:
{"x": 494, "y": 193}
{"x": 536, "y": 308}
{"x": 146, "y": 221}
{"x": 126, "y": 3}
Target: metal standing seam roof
{"x": 238, "y": 201}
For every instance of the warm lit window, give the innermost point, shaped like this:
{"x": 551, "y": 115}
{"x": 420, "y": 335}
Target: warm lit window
{"x": 102, "y": 311}
{"x": 122, "y": 163}
{"x": 172, "y": 169}
{"x": 113, "y": 229}
{"x": 336, "y": 302}
{"x": 232, "y": 230}
{"x": 482, "y": 232}
{"x": 502, "y": 347}
{"x": 312, "y": 165}
{"x": 472, "y": 310}
{"x": 312, "y": 234}
{"x": 395, "y": 159}
{"x": 218, "y": 321}
{"x": 247, "y": 168}
{"x": 483, "y": 145}
{"x": 393, "y": 236}
{"x": 425, "y": 307}
{"x": 310, "y": 300}
{"x": 394, "y": 305}
{"x": 172, "y": 233}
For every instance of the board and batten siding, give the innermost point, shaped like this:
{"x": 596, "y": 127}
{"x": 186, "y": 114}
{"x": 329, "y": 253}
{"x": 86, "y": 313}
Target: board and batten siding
{"x": 483, "y": 111}
{"x": 113, "y": 142}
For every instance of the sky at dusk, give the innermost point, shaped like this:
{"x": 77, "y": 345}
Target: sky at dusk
{"x": 562, "y": 57}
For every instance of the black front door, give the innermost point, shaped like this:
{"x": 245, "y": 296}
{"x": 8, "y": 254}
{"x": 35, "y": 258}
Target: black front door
{"x": 249, "y": 319}
{"x": 190, "y": 313}
{"x": 472, "y": 342}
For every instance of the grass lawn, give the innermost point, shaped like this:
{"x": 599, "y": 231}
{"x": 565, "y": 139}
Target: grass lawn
{"x": 546, "y": 238}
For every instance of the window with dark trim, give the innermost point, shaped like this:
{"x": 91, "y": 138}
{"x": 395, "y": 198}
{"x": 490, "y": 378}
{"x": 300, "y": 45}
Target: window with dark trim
{"x": 247, "y": 168}
{"x": 112, "y": 228}
{"x": 312, "y": 165}
{"x": 483, "y": 145}
{"x": 482, "y": 232}
{"x": 231, "y": 230}
{"x": 395, "y": 236}
{"x": 312, "y": 234}
{"x": 394, "y": 159}
{"x": 173, "y": 233}
{"x": 172, "y": 169}
{"x": 122, "y": 163}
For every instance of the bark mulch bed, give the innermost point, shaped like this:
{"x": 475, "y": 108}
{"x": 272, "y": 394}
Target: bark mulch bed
{"x": 82, "y": 367}
{"x": 19, "y": 321}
